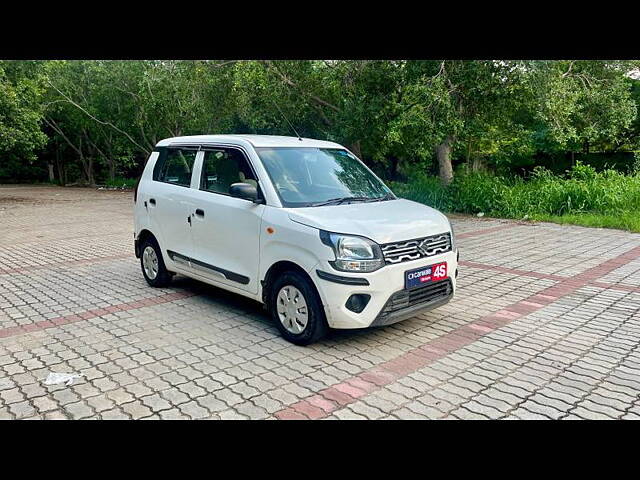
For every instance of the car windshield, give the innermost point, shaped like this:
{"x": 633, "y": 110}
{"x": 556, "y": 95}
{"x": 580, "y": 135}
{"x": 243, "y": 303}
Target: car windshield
{"x": 321, "y": 176}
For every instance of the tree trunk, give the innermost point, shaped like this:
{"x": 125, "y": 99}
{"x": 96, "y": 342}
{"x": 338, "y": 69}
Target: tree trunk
{"x": 110, "y": 159}
{"x": 445, "y": 168}
{"x": 52, "y": 178}
{"x": 112, "y": 163}
{"x": 87, "y": 161}
{"x": 60, "y": 165}
{"x": 90, "y": 178}
{"x": 62, "y": 174}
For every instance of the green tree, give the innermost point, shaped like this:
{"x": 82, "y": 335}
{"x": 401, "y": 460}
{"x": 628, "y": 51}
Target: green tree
{"x": 582, "y": 103}
{"x": 20, "y": 133}
{"x": 479, "y": 107}
{"x": 105, "y": 117}
{"x": 115, "y": 111}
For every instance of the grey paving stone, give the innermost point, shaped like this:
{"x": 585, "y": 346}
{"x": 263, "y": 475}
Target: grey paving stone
{"x": 136, "y": 409}
{"x": 44, "y": 404}
{"x": 212, "y": 403}
{"x": 193, "y": 410}
{"x": 250, "y": 410}
{"x": 79, "y": 410}
{"x": 114, "y": 414}
{"x": 347, "y": 414}
{"x": 173, "y": 414}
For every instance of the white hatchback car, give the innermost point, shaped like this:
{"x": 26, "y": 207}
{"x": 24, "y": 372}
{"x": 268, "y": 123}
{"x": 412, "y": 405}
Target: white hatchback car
{"x": 301, "y": 225}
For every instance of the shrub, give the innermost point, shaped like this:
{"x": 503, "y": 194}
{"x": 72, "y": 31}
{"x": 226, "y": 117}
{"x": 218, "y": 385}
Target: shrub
{"x": 635, "y": 168}
{"x": 427, "y": 190}
{"x": 581, "y": 190}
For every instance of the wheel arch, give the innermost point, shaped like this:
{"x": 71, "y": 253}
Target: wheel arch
{"x": 142, "y": 237}
{"x": 278, "y": 268}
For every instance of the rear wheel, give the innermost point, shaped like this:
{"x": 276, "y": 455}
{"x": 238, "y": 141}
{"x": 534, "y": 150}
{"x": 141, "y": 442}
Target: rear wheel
{"x": 152, "y": 264}
{"x": 296, "y": 309}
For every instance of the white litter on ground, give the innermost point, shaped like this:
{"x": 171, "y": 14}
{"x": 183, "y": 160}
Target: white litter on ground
{"x": 481, "y": 214}
{"x": 57, "y": 378}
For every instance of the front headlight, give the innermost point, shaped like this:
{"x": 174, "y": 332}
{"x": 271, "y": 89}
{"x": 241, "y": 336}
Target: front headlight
{"x": 353, "y": 254}
{"x": 453, "y": 237}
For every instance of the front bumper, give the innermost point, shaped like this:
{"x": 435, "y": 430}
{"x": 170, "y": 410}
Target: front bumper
{"x": 388, "y": 303}
{"x": 406, "y": 304}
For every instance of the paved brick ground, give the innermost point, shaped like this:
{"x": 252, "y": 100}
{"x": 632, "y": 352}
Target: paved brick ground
{"x": 546, "y": 324}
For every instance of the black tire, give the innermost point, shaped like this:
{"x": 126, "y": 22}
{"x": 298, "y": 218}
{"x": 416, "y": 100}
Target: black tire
{"x": 163, "y": 277}
{"x": 316, "y": 326}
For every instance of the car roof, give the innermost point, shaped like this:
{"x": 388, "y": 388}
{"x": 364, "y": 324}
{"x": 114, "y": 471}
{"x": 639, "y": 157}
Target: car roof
{"x": 254, "y": 140}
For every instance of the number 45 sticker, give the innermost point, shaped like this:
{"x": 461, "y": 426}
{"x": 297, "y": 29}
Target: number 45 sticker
{"x": 439, "y": 271}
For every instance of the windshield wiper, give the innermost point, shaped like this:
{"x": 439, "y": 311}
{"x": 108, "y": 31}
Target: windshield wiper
{"x": 340, "y": 200}
{"x": 385, "y": 197}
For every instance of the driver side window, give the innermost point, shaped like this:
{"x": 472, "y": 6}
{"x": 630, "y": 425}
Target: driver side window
{"x": 223, "y": 167}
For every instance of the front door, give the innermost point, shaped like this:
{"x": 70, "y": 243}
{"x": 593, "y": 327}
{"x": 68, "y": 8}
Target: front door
{"x": 225, "y": 229}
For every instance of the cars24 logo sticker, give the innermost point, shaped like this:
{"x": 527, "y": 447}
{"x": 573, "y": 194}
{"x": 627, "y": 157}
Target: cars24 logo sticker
{"x": 432, "y": 273}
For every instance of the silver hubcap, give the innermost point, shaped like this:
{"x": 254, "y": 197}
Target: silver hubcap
{"x": 150, "y": 262}
{"x": 292, "y": 309}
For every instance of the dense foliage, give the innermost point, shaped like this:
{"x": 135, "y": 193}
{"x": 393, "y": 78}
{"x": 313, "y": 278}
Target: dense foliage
{"x": 21, "y": 135}
{"x": 611, "y": 196}
{"x": 96, "y": 121}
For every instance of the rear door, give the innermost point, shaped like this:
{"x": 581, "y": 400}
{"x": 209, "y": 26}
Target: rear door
{"x": 226, "y": 230}
{"x": 171, "y": 203}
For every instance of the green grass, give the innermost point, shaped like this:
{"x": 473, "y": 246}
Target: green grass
{"x": 582, "y": 196}
{"x": 120, "y": 182}
{"x": 629, "y": 221}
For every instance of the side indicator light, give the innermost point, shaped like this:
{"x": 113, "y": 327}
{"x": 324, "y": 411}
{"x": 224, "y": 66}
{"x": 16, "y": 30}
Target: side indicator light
{"x": 270, "y": 230}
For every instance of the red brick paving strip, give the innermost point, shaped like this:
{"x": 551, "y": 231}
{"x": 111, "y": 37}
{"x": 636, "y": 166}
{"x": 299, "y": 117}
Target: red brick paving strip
{"x": 514, "y": 271}
{"x": 616, "y": 286}
{"x": 323, "y": 403}
{"x": 527, "y": 273}
{"x": 78, "y": 317}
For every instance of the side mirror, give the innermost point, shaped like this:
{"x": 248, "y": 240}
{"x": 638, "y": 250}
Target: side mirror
{"x": 244, "y": 190}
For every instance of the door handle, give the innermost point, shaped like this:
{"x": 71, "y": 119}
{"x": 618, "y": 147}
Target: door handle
{"x": 152, "y": 201}
{"x": 200, "y": 212}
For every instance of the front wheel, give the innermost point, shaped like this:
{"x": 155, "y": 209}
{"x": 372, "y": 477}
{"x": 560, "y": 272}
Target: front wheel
{"x": 153, "y": 268}
{"x": 297, "y": 310}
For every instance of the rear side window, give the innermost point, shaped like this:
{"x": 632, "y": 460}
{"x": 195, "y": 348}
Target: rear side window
{"x": 175, "y": 166}
{"x": 224, "y": 167}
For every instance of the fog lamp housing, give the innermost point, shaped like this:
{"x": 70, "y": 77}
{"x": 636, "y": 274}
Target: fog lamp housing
{"x": 357, "y": 302}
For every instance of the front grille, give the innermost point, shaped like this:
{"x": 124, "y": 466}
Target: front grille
{"x": 408, "y": 250}
{"x": 431, "y": 293}
{"x": 409, "y": 298}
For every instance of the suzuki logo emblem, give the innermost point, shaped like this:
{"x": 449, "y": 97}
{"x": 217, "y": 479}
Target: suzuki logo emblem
{"x": 424, "y": 247}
